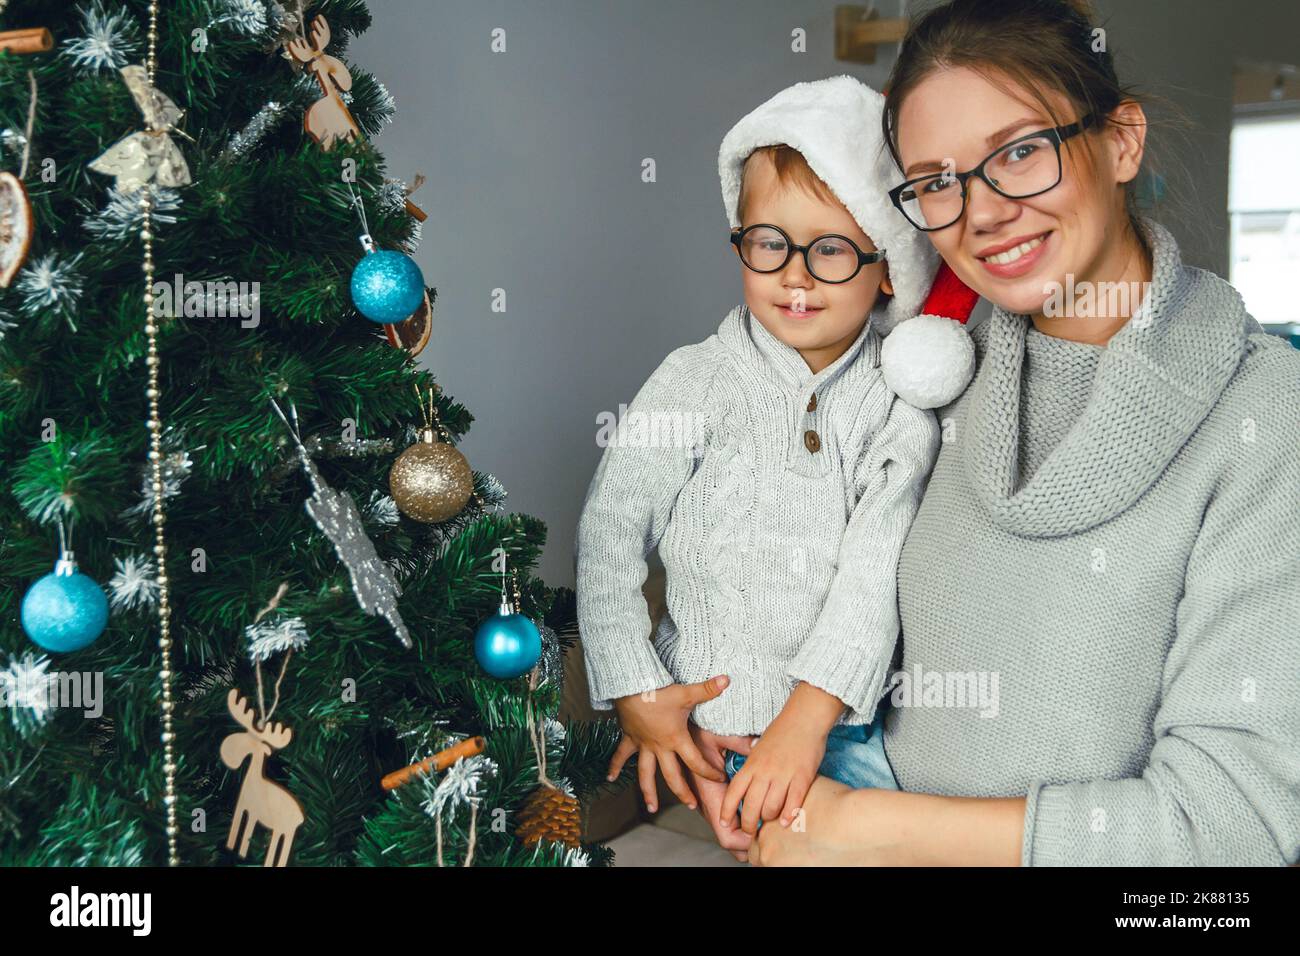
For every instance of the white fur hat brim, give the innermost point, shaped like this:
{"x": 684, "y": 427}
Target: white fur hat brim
{"x": 835, "y": 124}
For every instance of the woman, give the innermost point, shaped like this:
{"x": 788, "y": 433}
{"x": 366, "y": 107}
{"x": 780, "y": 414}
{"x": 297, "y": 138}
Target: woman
{"x": 1111, "y": 536}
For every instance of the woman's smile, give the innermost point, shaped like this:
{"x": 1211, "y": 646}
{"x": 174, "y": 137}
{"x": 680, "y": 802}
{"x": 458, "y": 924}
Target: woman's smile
{"x": 1016, "y": 257}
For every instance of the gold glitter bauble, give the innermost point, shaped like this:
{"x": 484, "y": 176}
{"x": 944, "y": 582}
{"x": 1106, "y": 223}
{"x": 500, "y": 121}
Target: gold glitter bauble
{"x": 431, "y": 481}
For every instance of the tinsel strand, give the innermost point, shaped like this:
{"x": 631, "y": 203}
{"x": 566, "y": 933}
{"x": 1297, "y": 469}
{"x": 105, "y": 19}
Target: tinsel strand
{"x": 31, "y": 123}
{"x": 261, "y": 123}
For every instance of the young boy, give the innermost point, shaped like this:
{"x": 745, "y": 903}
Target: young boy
{"x": 780, "y": 495}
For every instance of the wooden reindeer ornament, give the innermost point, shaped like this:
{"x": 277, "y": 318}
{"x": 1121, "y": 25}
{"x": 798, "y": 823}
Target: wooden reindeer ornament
{"x": 328, "y": 118}
{"x": 260, "y": 800}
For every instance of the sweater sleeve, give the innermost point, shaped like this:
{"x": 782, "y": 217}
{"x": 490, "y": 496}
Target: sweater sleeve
{"x": 849, "y": 649}
{"x": 1222, "y": 782}
{"x": 629, "y": 501}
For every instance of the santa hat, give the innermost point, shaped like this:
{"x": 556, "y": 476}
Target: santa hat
{"x": 835, "y": 124}
{"x": 928, "y": 361}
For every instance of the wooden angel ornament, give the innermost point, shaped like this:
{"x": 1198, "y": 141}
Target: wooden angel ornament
{"x": 260, "y": 800}
{"x": 328, "y": 118}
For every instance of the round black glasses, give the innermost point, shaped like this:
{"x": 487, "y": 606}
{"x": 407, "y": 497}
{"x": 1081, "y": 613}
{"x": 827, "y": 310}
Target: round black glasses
{"x": 1027, "y": 166}
{"x": 829, "y": 258}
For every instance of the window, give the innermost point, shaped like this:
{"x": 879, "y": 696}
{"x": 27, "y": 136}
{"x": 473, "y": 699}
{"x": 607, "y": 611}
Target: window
{"x": 1264, "y": 209}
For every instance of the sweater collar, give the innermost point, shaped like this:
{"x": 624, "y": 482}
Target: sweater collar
{"x": 782, "y": 363}
{"x": 782, "y": 366}
{"x": 1157, "y": 379}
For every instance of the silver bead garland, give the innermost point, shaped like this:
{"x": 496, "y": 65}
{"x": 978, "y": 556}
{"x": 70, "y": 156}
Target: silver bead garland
{"x": 156, "y": 468}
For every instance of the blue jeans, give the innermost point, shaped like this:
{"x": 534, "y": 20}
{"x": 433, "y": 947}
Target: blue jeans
{"x": 855, "y": 755}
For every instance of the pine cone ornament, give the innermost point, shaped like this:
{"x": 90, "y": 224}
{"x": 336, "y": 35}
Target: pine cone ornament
{"x": 550, "y": 814}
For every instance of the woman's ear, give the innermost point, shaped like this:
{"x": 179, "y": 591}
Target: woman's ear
{"x": 1128, "y": 136}
{"x": 886, "y": 286}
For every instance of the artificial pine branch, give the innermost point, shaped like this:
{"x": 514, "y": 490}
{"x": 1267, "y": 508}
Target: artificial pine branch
{"x": 72, "y": 350}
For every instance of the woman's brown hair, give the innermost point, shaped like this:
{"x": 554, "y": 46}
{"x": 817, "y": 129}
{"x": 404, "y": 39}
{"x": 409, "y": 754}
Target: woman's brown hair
{"x": 1038, "y": 45}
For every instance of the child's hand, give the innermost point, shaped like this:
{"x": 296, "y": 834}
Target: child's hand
{"x": 654, "y": 728}
{"x": 711, "y": 792}
{"x": 782, "y": 765}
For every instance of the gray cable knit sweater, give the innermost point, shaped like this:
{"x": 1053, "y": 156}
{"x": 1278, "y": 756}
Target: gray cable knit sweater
{"x": 778, "y": 500}
{"x": 1115, "y": 533}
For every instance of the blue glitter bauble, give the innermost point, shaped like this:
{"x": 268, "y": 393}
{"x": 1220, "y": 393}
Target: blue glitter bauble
{"x": 387, "y": 287}
{"x": 507, "y": 645}
{"x": 64, "y": 612}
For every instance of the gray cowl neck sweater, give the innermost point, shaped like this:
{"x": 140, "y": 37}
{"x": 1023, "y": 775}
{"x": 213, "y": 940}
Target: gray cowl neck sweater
{"x": 1107, "y": 562}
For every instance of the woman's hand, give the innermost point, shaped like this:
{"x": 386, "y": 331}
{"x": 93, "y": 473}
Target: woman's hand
{"x": 841, "y": 826}
{"x": 654, "y": 728}
{"x": 711, "y": 792}
{"x": 818, "y": 836}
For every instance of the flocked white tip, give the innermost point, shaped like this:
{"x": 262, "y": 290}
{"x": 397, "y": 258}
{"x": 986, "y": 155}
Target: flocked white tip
{"x": 927, "y": 361}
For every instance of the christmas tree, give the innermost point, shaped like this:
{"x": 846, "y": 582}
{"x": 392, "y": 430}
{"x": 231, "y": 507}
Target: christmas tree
{"x": 269, "y": 644}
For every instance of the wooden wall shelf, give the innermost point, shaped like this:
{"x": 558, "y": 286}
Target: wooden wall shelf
{"x": 859, "y": 30}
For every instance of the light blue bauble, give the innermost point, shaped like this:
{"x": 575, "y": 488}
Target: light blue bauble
{"x": 387, "y": 286}
{"x": 64, "y": 612}
{"x": 507, "y": 645}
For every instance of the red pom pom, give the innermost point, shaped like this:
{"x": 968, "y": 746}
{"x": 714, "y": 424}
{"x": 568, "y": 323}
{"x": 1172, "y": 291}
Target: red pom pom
{"x": 949, "y": 296}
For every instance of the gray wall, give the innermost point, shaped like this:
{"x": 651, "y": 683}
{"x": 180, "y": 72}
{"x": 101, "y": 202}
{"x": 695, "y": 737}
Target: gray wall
{"x": 533, "y": 159}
